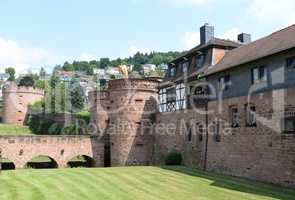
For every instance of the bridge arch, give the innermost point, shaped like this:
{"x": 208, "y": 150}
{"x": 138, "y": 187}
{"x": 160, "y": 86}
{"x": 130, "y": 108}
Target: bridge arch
{"x": 81, "y": 161}
{"x": 41, "y": 162}
{"x": 6, "y": 164}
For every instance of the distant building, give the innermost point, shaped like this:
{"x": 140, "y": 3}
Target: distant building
{"x": 4, "y": 77}
{"x": 147, "y": 68}
{"x": 115, "y": 71}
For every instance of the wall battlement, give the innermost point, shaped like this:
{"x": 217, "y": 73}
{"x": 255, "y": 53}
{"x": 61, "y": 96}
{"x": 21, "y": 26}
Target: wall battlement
{"x": 16, "y": 101}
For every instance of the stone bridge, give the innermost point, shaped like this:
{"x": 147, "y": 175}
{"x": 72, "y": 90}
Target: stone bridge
{"x": 60, "y": 149}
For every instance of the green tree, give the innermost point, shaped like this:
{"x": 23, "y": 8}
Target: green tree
{"x": 27, "y": 81}
{"x": 68, "y": 67}
{"x": 104, "y": 63}
{"x": 77, "y": 97}
{"x": 11, "y": 72}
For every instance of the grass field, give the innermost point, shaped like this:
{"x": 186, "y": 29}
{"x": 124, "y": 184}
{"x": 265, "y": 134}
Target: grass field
{"x": 135, "y": 183}
{"x": 7, "y": 129}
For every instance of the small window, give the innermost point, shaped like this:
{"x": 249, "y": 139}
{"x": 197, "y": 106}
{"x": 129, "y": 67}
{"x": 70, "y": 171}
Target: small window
{"x": 224, "y": 82}
{"x": 200, "y": 131}
{"x": 259, "y": 74}
{"x": 216, "y": 134}
{"x": 172, "y": 72}
{"x": 189, "y": 135}
{"x": 234, "y": 114}
{"x": 288, "y": 125}
{"x": 250, "y": 115}
{"x": 291, "y": 62}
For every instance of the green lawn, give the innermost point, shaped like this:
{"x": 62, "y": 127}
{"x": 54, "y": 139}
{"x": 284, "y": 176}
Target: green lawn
{"x": 7, "y": 129}
{"x": 134, "y": 183}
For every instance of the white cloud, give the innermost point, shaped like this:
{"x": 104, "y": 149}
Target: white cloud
{"x": 190, "y": 40}
{"x": 12, "y": 54}
{"x": 232, "y": 34}
{"x": 189, "y": 2}
{"x": 269, "y": 11}
{"x": 133, "y": 50}
{"x": 87, "y": 57}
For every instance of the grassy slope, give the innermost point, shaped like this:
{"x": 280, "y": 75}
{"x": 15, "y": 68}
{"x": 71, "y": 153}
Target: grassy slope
{"x": 7, "y": 129}
{"x": 138, "y": 183}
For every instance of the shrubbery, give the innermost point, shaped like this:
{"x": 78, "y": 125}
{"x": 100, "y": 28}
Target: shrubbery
{"x": 173, "y": 158}
{"x": 43, "y": 126}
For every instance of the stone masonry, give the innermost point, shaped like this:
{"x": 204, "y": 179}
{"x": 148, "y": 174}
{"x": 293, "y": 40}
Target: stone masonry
{"x": 16, "y": 101}
{"x": 21, "y": 149}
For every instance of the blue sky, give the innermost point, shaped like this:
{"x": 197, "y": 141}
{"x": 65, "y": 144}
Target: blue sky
{"x": 36, "y": 33}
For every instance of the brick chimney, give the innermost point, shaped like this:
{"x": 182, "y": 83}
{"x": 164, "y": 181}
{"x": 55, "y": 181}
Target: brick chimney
{"x": 206, "y": 33}
{"x": 244, "y": 38}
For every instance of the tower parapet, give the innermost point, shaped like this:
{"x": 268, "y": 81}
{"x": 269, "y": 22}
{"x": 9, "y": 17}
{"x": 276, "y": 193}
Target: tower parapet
{"x": 16, "y": 101}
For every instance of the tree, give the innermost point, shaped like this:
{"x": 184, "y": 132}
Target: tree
{"x": 42, "y": 73}
{"x": 68, "y": 67}
{"x": 104, "y": 63}
{"x": 77, "y": 97}
{"x": 11, "y": 72}
{"x": 27, "y": 81}
{"x": 138, "y": 68}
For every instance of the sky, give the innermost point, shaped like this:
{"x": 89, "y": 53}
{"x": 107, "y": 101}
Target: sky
{"x": 35, "y": 34}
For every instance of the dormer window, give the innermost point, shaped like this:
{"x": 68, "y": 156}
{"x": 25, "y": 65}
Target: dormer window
{"x": 184, "y": 67}
{"x": 172, "y": 72}
{"x": 200, "y": 59}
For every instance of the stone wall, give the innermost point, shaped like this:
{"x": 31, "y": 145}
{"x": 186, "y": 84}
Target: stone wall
{"x": 260, "y": 153}
{"x": 21, "y": 149}
{"x": 172, "y": 134}
{"x": 125, "y": 111}
{"x": 16, "y": 100}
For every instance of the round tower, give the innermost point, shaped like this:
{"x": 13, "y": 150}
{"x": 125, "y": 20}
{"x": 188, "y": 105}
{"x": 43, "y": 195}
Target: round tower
{"x": 130, "y": 105}
{"x": 16, "y": 101}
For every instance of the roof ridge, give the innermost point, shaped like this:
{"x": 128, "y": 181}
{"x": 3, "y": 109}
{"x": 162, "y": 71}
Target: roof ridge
{"x": 267, "y": 36}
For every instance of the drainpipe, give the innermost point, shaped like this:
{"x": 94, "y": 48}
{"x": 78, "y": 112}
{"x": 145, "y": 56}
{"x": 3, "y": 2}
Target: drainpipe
{"x": 207, "y": 137}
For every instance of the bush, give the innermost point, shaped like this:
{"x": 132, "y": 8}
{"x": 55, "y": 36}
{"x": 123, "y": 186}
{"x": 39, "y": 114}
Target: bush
{"x": 55, "y": 129}
{"x": 173, "y": 158}
{"x": 84, "y": 115}
{"x": 43, "y": 126}
{"x": 69, "y": 130}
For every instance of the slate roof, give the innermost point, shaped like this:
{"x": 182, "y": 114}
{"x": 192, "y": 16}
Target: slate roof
{"x": 276, "y": 42}
{"x": 213, "y": 42}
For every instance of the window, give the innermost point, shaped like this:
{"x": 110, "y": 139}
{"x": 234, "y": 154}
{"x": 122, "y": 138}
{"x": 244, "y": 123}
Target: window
{"x": 184, "y": 67}
{"x": 224, "y": 82}
{"x": 259, "y": 74}
{"x": 291, "y": 62}
{"x": 200, "y": 59}
{"x": 201, "y": 131}
{"x": 171, "y": 99}
{"x": 288, "y": 125}
{"x": 172, "y": 72}
{"x": 217, "y": 137}
{"x": 180, "y": 97}
{"x": 189, "y": 135}
{"x": 234, "y": 115}
{"x": 163, "y": 100}
{"x": 250, "y": 115}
